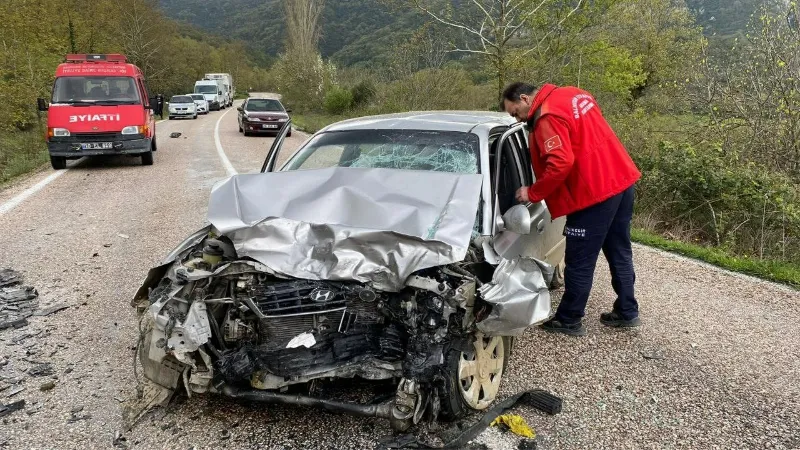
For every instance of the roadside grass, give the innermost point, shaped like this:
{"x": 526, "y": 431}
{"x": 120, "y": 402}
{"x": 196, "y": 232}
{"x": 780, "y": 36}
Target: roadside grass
{"x": 20, "y": 153}
{"x": 781, "y": 272}
{"x": 313, "y": 122}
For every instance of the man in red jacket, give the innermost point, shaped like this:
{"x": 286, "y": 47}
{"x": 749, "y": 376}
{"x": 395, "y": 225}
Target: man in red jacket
{"x": 582, "y": 172}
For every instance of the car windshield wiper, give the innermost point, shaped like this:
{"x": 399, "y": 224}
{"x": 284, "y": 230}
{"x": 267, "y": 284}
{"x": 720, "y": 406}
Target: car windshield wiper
{"x": 76, "y": 103}
{"x": 116, "y": 102}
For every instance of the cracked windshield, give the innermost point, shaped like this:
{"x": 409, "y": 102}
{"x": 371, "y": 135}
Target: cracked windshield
{"x": 439, "y": 151}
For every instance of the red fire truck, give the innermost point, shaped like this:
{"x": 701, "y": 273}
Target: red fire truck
{"x": 99, "y": 106}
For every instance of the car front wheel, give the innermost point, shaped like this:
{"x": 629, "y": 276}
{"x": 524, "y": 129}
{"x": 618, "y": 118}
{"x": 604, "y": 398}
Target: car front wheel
{"x": 474, "y": 377}
{"x": 58, "y": 162}
{"x": 147, "y": 158}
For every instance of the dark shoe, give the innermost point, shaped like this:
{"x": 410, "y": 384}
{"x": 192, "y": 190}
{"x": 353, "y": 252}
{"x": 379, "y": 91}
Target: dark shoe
{"x": 614, "y": 319}
{"x": 556, "y": 326}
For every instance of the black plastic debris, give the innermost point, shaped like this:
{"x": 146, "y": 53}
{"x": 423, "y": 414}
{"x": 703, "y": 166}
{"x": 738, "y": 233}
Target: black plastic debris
{"x": 527, "y": 444}
{"x": 17, "y": 302}
{"x": 175, "y": 134}
{"x": 41, "y": 370}
{"x": 536, "y": 398}
{"x": 11, "y": 407}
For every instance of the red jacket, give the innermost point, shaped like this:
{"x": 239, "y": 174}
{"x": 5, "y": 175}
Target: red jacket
{"x": 577, "y": 159}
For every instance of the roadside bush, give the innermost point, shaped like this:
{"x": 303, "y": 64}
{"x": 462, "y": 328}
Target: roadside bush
{"x": 706, "y": 195}
{"x": 338, "y": 100}
{"x": 429, "y": 89}
{"x": 21, "y": 152}
{"x": 303, "y": 80}
{"x": 363, "y": 93}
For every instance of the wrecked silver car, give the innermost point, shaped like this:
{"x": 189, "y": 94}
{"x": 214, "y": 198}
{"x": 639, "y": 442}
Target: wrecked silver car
{"x": 386, "y": 248}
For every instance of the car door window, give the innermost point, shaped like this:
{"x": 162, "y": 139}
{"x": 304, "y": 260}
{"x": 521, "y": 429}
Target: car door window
{"x": 523, "y": 157}
{"x": 509, "y": 176}
{"x": 323, "y": 157}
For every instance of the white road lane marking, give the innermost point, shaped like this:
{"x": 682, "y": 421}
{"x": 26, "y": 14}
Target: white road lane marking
{"x": 27, "y": 193}
{"x": 224, "y": 158}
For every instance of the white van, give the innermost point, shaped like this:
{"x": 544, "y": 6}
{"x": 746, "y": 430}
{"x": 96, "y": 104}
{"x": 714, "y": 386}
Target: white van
{"x": 213, "y": 91}
{"x": 227, "y": 81}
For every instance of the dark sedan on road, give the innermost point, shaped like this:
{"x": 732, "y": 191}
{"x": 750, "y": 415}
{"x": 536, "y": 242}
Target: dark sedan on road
{"x": 262, "y": 115}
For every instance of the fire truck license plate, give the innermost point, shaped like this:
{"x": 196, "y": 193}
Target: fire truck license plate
{"x": 269, "y": 126}
{"x": 97, "y": 146}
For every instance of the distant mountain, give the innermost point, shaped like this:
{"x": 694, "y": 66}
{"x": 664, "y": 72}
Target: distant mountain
{"x": 354, "y": 32}
{"x": 359, "y": 32}
{"x": 726, "y": 17}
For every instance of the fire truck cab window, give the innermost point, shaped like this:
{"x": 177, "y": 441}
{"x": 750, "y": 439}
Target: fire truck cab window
{"x": 94, "y": 89}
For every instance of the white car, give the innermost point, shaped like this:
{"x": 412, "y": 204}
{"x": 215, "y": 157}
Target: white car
{"x": 182, "y": 106}
{"x": 200, "y": 102}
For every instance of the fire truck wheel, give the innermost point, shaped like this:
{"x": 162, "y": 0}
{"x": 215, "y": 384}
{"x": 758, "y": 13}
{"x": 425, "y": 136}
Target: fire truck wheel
{"x": 58, "y": 162}
{"x": 147, "y": 158}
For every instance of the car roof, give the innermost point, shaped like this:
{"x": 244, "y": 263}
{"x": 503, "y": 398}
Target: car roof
{"x": 463, "y": 121}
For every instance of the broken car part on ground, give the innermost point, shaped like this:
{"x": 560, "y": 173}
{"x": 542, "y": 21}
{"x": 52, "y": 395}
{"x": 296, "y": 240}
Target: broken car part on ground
{"x": 17, "y": 302}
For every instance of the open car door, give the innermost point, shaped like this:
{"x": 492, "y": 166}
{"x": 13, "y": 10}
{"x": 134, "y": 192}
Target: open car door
{"x": 275, "y": 149}
{"x": 512, "y": 170}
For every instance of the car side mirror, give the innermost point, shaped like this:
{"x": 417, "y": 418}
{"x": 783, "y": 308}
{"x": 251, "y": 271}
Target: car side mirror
{"x": 41, "y": 104}
{"x": 239, "y": 108}
{"x": 516, "y": 220}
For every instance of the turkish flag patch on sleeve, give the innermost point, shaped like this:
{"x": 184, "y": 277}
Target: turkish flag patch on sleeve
{"x": 552, "y": 143}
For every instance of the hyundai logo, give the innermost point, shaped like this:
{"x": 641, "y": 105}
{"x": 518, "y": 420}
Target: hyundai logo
{"x": 322, "y": 295}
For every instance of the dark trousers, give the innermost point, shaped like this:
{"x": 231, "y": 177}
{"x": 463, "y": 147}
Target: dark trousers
{"x": 605, "y": 226}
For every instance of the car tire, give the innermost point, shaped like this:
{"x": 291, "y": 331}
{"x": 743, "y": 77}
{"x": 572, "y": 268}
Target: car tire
{"x": 289, "y": 134}
{"x": 194, "y": 117}
{"x": 489, "y": 365}
{"x": 58, "y": 162}
{"x": 247, "y": 133}
{"x": 170, "y": 117}
{"x": 240, "y": 128}
{"x": 147, "y": 158}
{"x": 155, "y": 145}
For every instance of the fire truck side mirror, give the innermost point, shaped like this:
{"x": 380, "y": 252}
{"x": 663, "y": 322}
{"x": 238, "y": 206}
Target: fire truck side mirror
{"x": 41, "y": 104}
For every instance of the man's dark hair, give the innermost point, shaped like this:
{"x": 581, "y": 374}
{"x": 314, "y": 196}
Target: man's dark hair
{"x": 513, "y": 91}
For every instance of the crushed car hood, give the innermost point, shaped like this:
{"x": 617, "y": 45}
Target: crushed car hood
{"x": 376, "y": 226}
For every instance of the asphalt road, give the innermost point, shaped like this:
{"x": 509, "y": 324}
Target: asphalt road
{"x": 715, "y": 365}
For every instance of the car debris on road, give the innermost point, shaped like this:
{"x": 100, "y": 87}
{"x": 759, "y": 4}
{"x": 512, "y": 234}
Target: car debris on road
{"x": 17, "y": 302}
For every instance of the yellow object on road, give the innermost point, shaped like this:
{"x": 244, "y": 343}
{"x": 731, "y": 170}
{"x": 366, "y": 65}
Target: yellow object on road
{"x": 516, "y": 424}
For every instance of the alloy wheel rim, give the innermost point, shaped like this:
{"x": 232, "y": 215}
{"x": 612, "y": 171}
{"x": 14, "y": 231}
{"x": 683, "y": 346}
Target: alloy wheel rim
{"x": 479, "y": 374}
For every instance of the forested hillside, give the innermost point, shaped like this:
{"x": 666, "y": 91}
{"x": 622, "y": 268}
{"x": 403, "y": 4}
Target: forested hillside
{"x": 726, "y": 17}
{"x": 357, "y": 32}
{"x": 353, "y": 31}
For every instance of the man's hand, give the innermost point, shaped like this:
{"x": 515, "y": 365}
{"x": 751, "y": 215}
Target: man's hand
{"x": 522, "y": 195}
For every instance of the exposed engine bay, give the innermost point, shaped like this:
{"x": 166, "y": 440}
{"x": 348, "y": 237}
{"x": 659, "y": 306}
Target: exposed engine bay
{"x": 215, "y": 322}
